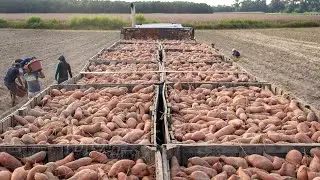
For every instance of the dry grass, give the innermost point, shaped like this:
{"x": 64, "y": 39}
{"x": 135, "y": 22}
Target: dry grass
{"x": 174, "y": 18}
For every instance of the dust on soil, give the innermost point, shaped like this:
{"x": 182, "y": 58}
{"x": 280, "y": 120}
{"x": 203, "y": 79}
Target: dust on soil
{"x": 288, "y": 58}
{"x": 48, "y": 45}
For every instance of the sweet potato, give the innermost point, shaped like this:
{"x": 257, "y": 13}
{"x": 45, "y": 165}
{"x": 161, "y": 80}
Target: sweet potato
{"x": 229, "y": 169}
{"x": 294, "y": 157}
{"x": 20, "y": 120}
{"x": 133, "y": 135}
{"x": 221, "y": 176}
{"x": 64, "y": 172}
{"x": 209, "y": 171}
{"x": 315, "y": 164}
{"x": 140, "y": 170}
{"x": 55, "y": 92}
{"x": 225, "y": 131}
{"x": 34, "y": 170}
{"x": 315, "y": 152}
{"x": 40, "y": 176}
{"x": 120, "y": 166}
{"x": 19, "y": 173}
{"x": 199, "y": 175}
{"x": 91, "y": 129}
{"x": 198, "y": 135}
{"x": 98, "y": 157}
{"x": 85, "y": 174}
{"x": 67, "y": 159}
{"x": 287, "y": 169}
{"x": 303, "y": 138}
{"x": 211, "y": 159}
{"x": 37, "y": 157}
{"x": 260, "y": 162}
{"x": 175, "y": 167}
{"x": 277, "y": 162}
{"x": 242, "y": 174}
{"x": 235, "y": 162}
{"x": 302, "y": 172}
{"x": 78, "y": 163}
{"x": 8, "y": 161}
{"x": 199, "y": 161}
{"x": 78, "y": 114}
{"x": 5, "y": 175}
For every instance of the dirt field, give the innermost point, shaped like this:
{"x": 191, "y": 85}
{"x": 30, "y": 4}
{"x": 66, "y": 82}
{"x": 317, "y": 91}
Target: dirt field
{"x": 77, "y": 46}
{"x": 173, "y": 18}
{"x": 290, "y": 58}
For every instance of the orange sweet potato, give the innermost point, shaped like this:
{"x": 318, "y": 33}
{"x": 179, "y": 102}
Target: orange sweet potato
{"x": 9, "y": 161}
{"x": 197, "y": 175}
{"x": 199, "y": 161}
{"x": 85, "y": 174}
{"x": 260, "y": 162}
{"x": 20, "y": 120}
{"x": 140, "y": 170}
{"x": 5, "y": 175}
{"x": 34, "y": 170}
{"x": 120, "y": 166}
{"x": 294, "y": 157}
{"x": 98, "y": 157}
{"x": 64, "y": 172}
{"x": 78, "y": 163}
{"x": 67, "y": 159}
{"x": 37, "y": 157}
{"x": 235, "y": 162}
{"x": 175, "y": 167}
{"x": 19, "y": 173}
{"x": 40, "y": 176}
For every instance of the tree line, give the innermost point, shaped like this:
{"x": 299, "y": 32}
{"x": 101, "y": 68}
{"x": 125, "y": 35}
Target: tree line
{"x": 285, "y": 6}
{"x": 106, "y": 6}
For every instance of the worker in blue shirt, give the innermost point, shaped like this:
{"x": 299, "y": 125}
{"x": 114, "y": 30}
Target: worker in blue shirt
{"x": 62, "y": 70}
{"x": 13, "y": 73}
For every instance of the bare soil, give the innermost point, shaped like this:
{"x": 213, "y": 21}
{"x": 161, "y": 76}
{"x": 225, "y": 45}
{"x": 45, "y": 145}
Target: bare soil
{"x": 48, "y": 45}
{"x": 289, "y": 58}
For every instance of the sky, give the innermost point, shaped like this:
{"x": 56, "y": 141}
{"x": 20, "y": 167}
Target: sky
{"x": 210, "y": 2}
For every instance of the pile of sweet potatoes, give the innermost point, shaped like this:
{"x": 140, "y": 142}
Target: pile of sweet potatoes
{"x": 294, "y": 165}
{"x": 208, "y": 77}
{"x": 178, "y": 57}
{"x": 189, "y": 47}
{"x": 249, "y": 115}
{"x": 121, "y": 78}
{"x": 152, "y": 47}
{"x": 136, "y": 55}
{"x": 123, "y": 67}
{"x": 110, "y": 115}
{"x": 95, "y": 167}
{"x": 201, "y": 66}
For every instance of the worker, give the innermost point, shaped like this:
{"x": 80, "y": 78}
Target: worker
{"x": 13, "y": 73}
{"x": 235, "y": 53}
{"x": 32, "y": 79}
{"x": 26, "y": 61}
{"x": 62, "y": 70}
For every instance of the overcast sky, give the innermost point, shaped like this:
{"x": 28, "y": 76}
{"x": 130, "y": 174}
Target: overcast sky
{"x": 210, "y": 2}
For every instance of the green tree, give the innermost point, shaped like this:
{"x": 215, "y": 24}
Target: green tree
{"x": 236, "y": 5}
{"x": 277, "y": 5}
